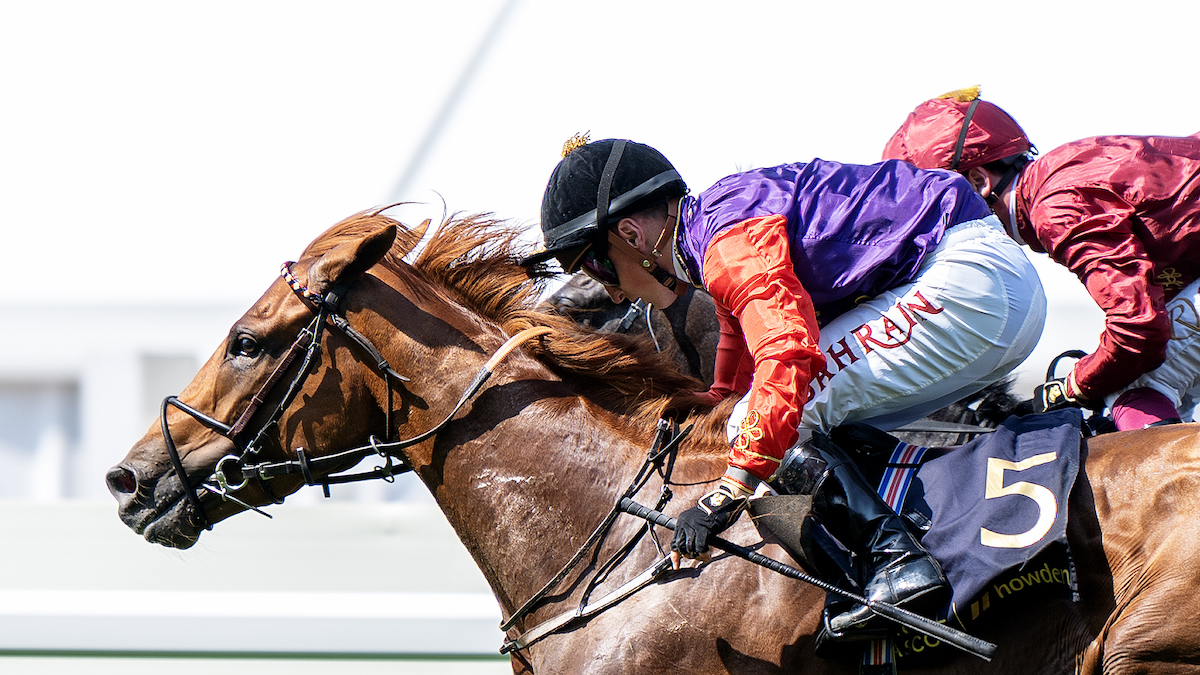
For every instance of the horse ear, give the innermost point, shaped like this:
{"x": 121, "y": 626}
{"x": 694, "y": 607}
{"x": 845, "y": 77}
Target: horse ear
{"x": 407, "y": 240}
{"x": 346, "y": 261}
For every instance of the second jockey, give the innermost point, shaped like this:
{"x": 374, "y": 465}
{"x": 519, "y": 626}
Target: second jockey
{"x": 1121, "y": 212}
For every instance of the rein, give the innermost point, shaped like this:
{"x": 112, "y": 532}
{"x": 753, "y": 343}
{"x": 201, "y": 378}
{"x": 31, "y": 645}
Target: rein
{"x": 234, "y": 472}
{"x": 660, "y": 449}
{"x": 307, "y": 466}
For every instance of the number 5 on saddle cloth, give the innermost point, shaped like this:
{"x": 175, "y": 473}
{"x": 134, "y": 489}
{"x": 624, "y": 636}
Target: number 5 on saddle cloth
{"x": 992, "y": 512}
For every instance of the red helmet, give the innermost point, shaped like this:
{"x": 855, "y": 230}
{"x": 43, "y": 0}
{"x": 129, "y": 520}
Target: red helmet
{"x": 957, "y": 131}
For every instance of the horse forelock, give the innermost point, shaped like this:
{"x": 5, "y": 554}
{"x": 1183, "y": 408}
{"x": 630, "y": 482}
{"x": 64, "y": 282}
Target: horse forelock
{"x": 474, "y": 260}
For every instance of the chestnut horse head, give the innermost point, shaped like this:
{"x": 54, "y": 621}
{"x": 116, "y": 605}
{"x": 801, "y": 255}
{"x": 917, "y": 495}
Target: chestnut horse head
{"x": 354, "y": 352}
{"x": 296, "y": 381}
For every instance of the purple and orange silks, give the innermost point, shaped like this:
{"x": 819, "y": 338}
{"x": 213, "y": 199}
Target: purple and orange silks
{"x": 785, "y": 249}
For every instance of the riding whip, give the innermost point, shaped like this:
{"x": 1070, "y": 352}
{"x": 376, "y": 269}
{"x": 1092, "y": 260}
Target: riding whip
{"x": 968, "y": 643}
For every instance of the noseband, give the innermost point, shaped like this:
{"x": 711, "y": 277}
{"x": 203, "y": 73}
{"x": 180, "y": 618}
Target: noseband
{"x": 234, "y": 471}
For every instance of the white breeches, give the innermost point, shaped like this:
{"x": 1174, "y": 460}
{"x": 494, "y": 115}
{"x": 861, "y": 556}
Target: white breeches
{"x": 974, "y": 312}
{"x": 1178, "y": 378}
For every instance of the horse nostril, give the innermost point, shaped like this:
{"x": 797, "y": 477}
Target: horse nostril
{"x": 121, "y": 481}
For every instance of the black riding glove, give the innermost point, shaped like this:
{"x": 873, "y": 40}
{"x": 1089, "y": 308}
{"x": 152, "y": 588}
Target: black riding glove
{"x": 1052, "y": 395}
{"x": 1056, "y": 394}
{"x": 716, "y": 511}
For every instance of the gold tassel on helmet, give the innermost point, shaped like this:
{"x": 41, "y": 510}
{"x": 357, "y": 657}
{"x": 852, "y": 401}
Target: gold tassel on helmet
{"x": 575, "y": 142}
{"x": 964, "y": 95}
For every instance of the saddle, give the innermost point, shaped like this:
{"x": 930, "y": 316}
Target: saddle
{"x": 992, "y": 512}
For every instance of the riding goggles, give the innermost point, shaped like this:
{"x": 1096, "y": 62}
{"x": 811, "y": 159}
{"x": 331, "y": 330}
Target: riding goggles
{"x": 600, "y": 267}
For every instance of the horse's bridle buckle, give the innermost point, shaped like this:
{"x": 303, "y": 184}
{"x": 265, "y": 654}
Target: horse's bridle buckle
{"x": 222, "y": 477}
{"x": 224, "y": 487}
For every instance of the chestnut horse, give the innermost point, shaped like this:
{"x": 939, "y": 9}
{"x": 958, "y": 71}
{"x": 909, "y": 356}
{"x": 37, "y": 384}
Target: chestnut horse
{"x": 526, "y": 470}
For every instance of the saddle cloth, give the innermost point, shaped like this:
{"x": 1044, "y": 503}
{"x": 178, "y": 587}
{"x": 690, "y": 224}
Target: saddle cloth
{"x": 993, "y": 513}
{"x": 997, "y": 502}
{"x": 997, "y": 510}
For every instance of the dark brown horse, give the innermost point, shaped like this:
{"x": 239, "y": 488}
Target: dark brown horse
{"x": 527, "y": 469}
{"x": 687, "y": 331}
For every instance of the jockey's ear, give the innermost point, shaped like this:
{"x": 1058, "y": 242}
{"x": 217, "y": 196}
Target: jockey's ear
{"x": 980, "y": 179}
{"x": 346, "y": 261}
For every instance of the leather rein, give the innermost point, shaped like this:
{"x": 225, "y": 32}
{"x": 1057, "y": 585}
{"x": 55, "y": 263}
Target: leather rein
{"x": 661, "y": 460}
{"x": 234, "y": 471}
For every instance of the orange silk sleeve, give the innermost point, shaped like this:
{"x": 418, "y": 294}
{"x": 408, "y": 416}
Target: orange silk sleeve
{"x": 733, "y": 369}
{"x": 748, "y": 270}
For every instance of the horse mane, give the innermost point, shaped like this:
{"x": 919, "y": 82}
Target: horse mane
{"x": 474, "y": 260}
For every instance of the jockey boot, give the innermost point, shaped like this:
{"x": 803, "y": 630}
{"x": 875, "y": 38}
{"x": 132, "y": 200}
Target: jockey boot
{"x": 892, "y": 566}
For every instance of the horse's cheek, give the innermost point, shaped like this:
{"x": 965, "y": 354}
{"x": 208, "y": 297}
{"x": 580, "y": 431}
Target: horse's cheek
{"x": 334, "y": 414}
{"x": 231, "y": 380}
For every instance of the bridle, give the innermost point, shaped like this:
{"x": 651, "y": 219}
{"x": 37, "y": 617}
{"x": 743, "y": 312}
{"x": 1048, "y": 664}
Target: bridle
{"x": 234, "y": 472}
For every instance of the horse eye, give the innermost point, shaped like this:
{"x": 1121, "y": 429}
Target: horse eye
{"x": 244, "y": 345}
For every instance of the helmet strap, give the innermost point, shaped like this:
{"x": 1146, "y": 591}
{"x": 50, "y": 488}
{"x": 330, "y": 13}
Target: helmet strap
{"x": 606, "y": 180}
{"x": 962, "y": 134}
{"x": 672, "y": 215}
{"x": 618, "y": 247}
{"x": 1015, "y": 165}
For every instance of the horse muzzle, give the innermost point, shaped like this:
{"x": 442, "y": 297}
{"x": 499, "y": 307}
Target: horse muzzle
{"x": 154, "y": 508}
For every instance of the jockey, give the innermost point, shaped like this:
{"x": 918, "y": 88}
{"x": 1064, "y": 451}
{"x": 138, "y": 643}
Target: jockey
{"x": 871, "y": 293}
{"x": 1121, "y": 212}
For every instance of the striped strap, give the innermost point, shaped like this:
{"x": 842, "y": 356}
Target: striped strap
{"x": 902, "y": 467}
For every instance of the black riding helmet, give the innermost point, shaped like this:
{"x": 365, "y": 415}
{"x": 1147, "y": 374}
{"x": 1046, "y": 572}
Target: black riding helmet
{"x": 595, "y": 184}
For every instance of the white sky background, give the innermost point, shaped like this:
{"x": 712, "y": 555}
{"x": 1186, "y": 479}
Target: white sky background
{"x": 154, "y": 151}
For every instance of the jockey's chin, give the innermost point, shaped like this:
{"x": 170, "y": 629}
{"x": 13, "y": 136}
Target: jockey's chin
{"x": 638, "y": 284}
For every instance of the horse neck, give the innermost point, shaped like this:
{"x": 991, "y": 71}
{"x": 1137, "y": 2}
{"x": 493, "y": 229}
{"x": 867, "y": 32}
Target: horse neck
{"x": 528, "y": 468}
{"x": 438, "y": 345}
{"x": 524, "y": 496}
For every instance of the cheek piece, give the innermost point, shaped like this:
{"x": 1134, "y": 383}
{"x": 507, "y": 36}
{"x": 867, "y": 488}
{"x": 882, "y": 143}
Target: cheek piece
{"x": 619, "y": 248}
